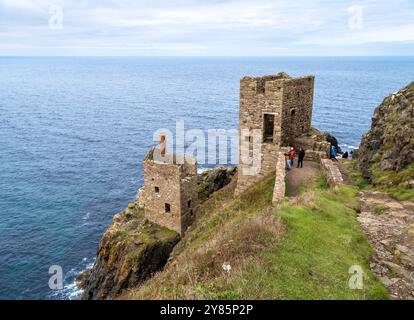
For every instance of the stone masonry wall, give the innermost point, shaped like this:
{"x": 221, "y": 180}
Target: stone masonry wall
{"x": 277, "y": 95}
{"x": 167, "y": 178}
{"x": 312, "y": 155}
{"x": 332, "y": 173}
{"x": 257, "y": 97}
{"x": 279, "y": 190}
{"x": 168, "y": 188}
{"x": 297, "y": 108}
{"x": 189, "y": 201}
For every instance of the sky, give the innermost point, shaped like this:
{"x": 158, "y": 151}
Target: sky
{"x": 207, "y": 28}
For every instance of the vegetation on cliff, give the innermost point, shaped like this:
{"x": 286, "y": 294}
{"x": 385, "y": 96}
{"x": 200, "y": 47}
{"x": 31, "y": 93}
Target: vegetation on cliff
{"x": 386, "y": 154}
{"x": 130, "y": 251}
{"x": 384, "y": 171}
{"x": 301, "y": 250}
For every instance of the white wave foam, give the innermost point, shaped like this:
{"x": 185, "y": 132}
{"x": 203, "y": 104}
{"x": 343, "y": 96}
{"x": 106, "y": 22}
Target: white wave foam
{"x": 201, "y": 170}
{"x": 70, "y": 289}
{"x": 349, "y": 147}
{"x": 86, "y": 216}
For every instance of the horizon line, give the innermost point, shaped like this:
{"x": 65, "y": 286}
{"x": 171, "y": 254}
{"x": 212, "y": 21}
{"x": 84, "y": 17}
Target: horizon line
{"x": 207, "y": 56}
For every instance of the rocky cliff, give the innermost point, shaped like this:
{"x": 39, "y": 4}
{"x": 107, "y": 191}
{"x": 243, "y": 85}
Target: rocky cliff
{"x": 386, "y": 153}
{"x": 211, "y": 181}
{"x": 133, "y": 248}
{"x": 130, "y": 251}
{"x": 386, "y": 159}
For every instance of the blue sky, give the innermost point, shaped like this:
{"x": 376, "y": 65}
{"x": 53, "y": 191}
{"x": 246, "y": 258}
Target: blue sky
{"x": 207, "y": 28}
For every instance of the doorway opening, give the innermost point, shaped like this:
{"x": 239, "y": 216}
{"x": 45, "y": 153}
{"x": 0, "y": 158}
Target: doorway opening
{"x": 268, "y": 128}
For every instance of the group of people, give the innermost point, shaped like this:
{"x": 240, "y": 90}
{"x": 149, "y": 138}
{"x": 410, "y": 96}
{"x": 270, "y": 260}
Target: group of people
{"x": 291, "y": 155}
{"x": 345, "y": 155}
{"x": 290, "y": 158}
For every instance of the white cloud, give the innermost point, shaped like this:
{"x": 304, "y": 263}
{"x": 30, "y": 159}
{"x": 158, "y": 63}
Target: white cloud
{"x": 238, "y": 27}
{"x": 394, "y": 34}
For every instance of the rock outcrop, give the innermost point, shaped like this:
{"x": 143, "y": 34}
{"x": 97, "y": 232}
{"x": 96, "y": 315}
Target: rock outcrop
{"x": 386, "y": 159}
{"x": 131, "y": 250}
{"x": 213, "y": 180}
{"x": 389, "y": 145}
{"x": 389, "y": 225}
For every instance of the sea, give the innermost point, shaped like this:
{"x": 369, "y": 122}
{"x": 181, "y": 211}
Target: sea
{"x": 74, "y": 130}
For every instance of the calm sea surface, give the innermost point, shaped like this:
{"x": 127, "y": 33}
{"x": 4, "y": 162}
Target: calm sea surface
{"x": 73, "y": 132}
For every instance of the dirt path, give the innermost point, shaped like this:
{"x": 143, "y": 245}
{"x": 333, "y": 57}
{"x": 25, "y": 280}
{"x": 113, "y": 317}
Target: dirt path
{"x": 389, "y": 225}
{"x": 295, "y": 178}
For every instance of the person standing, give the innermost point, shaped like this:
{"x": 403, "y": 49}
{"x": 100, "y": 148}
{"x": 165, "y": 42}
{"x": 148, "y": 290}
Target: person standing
{"x": 301, "y": 156}
{"x": 333, "y": 152}
{"x": 287, "y": 158}
{"x": 292, "y": 154}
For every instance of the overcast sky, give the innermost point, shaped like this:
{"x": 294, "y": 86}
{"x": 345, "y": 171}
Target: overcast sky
{"x": 207, "y": 27}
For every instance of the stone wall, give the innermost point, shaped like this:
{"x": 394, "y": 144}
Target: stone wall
{"x": 189, "y": 201}
{"x": 316, "y": 144}
{"x": 279, "y": 190}
{"x": 259, "y": 96}
{"x": 297, "y": 108}
{"x": 332, "y": 173}
{"x": 289, "y": 102}
{"x": 169, "y": 196}
{"x": 312, "y": 155}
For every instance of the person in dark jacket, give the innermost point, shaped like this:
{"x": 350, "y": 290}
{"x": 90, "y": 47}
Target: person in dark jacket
{"x": 301, "y": 156}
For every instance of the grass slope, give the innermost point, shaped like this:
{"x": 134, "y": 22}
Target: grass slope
{"x": 391, "y": 182}
{"x": 302, "y": 250}
{"x": 324, "y": 240}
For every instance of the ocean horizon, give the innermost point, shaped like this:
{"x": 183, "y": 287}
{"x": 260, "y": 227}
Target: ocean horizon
{"x": 74, "y": 131}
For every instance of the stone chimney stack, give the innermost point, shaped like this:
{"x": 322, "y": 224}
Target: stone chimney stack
{"x": 163, "y": 144}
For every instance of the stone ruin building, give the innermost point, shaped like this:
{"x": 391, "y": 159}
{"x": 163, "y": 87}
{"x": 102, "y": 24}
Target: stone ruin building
{"x": 280, "y": 107}
{"x": 170, "y": 192}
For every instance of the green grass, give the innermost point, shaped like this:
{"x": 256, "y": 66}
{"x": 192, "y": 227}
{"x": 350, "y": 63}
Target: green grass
{"x": 394, "y": 183}
{"x": 312, "y": 262}
{"x": 379, "y": 208}
{"x": 356, "y": 176}
{"x": 390, "y": 177}
{"x": 400, "y": 194}
{"x": 324, "y": 241}
{"x": 322, "y": 182}
{"x": 390, "y": 182}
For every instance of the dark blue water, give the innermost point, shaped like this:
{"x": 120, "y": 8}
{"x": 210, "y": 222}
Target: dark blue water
{"x": 73, "y": 132}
